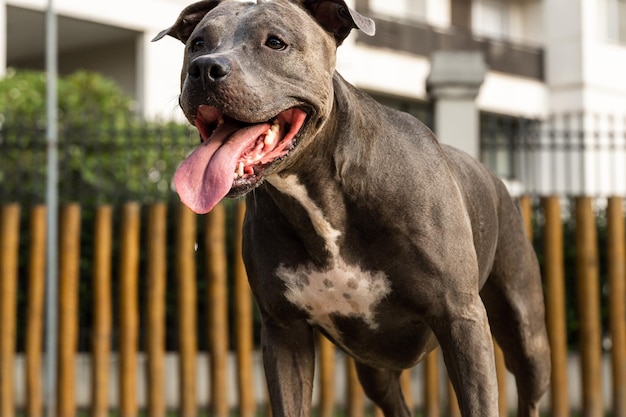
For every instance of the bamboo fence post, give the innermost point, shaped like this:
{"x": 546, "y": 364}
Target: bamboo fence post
{"x": 431, "y": 384}
{"x": 526, "y": 209}
{"x": 406, "y": 382}
{"x": 588, "y": 302}
{"x": 101, "y": 336}
{"x": 156, "y": 275}
{"x": 327, "y": 376}
{"x": 355, "y": 396}
{"x": 34, "y": 326}
{"x": 186, "y": 278}
{"x": 9, "y": 245}
{"x": 243, "y": 322}
{"x": 68, "y": 309}
{"x": 617, "y": 302}
{"x": 217, "y": 266}
{"x": 129, "y": 315}
{"x": 501, "y": 374}
{"x": 554, "y": 277}
{"x": 453, "y": 404}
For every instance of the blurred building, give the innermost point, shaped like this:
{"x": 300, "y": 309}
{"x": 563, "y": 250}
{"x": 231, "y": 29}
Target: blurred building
{"x": 489, "y": 76}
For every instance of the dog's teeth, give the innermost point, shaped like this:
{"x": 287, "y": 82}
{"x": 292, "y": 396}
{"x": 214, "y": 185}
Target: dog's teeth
{"x": 240, "y": 169}
{"x": 220, "y": 122}
{"x": 270, "y": 137}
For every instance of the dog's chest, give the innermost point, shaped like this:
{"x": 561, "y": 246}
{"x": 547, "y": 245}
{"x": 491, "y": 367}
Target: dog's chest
{"x": 338, "y": 290}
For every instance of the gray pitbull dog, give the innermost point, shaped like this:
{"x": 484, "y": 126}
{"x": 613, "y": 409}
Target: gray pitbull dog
{"x": 361, "y": 225}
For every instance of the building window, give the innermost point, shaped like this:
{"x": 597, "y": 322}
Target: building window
{"x": 400, "y": 9}
{"x": 490, "y": 18}
{"x": 419, "y": 109}
{"x": 508, "y": 20}
{"x": 505, "y": 142}
{"x": 613, "y": 21}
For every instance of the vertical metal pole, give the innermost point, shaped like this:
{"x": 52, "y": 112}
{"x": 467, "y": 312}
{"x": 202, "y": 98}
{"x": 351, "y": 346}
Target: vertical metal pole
{"x": 52, "y": 204}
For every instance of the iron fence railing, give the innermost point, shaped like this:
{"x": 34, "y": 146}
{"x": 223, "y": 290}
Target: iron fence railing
{"x": 569, "y": 154}
{"x": 112, "y": 162}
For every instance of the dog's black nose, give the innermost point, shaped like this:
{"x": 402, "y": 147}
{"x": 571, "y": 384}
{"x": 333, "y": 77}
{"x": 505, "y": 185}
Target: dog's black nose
{"x": 210, "y": 69}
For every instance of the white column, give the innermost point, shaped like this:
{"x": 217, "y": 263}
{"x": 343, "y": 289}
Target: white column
{"x": 453, "y": 83}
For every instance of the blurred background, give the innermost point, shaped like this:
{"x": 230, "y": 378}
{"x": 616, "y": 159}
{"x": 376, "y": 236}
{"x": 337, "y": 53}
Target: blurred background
{"x": 535, "y": 89}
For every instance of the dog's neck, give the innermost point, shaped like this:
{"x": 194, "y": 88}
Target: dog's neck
{"x": 311, "y": 193}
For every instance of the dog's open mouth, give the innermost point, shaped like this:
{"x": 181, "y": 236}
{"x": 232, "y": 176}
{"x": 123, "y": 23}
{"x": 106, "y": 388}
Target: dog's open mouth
{"x": 233, "y": 155}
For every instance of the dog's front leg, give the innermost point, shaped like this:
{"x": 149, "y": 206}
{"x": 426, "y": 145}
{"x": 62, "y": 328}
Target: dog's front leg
{"x": 289, "y": 361}
{"x": 467, "y": 349}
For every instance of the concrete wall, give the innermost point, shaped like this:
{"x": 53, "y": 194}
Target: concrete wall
{"x": 584, "y": 70}
{"x": 83, "y": 382}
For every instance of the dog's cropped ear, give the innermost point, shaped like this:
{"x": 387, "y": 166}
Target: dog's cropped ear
{"x": 188, "y": 20}
{"x": 337, "y": 18}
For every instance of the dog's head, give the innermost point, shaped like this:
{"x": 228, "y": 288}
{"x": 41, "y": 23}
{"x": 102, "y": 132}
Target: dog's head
{"x": 257, "y": 84}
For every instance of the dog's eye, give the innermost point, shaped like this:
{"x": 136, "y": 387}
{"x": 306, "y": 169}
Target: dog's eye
{"x": 275, "y": 43}
{"x": 197, "y": 44}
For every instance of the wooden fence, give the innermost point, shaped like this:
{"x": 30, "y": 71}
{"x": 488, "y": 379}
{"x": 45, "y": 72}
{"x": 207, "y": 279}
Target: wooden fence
{"x": 187, "y": 224}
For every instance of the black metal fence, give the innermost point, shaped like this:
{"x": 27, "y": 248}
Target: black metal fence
{"x": 108, "y": 163}
{"x": 574, "y": 154}
{"x": 571, "y": 154}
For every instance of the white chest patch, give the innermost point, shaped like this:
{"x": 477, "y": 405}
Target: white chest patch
{"x": 339, "y": 290}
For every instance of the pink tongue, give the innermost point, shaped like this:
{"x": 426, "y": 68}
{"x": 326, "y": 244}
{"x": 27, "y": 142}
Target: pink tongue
{"x": 206, "y": 176}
